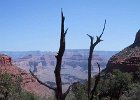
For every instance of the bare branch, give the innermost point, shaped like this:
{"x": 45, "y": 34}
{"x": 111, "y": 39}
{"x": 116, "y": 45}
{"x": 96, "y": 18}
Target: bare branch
{"x": 98, "y": 40}
{"x": 103, "y": 29}
{"x": 68, "y": 90}
{"x": 50, "y": 87}
{"x": 99, "y": 67}
{"x": 66, "y": 93}
{"x": 65, "y": 31}
{"x": 56, "y": 56}
{"x": 99, "y": 37}
{"x": 91, "y": 38}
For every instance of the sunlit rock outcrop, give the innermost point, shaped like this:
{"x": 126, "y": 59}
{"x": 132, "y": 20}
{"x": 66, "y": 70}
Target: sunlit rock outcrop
{"x": 28, "y": 83}
{"x": 127, "y": 60}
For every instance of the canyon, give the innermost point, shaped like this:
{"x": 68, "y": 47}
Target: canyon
{"x": 74, "y": 65}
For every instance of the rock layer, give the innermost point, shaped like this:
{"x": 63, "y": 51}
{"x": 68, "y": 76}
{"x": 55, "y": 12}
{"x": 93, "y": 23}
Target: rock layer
{"x": 28, "y": 82}
{"x": 127, "y": 60}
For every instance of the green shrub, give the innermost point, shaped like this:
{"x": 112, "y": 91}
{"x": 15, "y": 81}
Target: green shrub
{"x": 10, "y": 88}
{"x": 114, "y": 84}
{"x": 28, "y": 96}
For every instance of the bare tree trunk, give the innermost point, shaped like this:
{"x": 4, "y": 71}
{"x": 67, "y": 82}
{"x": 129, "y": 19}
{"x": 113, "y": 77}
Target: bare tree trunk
{"x": 58, "y": 89}
{"x": 92, "y": 46}
{"x": 97, "y": 79}
{"x": 57, "y": 71}
{"x": 89, "y": 66}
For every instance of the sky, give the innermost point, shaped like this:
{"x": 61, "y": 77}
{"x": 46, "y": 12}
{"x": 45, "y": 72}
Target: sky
{"x": 27, "y": 25}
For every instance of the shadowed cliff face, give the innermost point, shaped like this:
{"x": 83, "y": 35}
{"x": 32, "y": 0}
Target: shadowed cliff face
{"x": 127, "y": 60}
{"x": 28, "y": 82}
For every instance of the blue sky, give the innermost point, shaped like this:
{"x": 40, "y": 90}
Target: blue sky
{"x": 35, "y": 24}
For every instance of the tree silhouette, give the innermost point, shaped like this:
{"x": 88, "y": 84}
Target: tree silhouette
{"x": 58, "y": 89}
{"x": 92, "y": 46}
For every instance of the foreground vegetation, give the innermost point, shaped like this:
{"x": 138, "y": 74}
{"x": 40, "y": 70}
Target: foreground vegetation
{"x": 114, "y": 85}
{"x": 10, "y": 88}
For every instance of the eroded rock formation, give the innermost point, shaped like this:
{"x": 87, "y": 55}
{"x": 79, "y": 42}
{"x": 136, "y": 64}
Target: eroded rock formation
{"x": 28, "y": 82}
{"x": 127, "y": 60}
{"x": 5, "y": 60}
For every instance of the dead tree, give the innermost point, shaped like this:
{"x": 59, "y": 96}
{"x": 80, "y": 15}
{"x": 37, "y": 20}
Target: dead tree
{"x": 59, "y": 56}
{"x": 58, "y": 89}
{"x": 92, "y": 46}
{"x": 97, "y": 79}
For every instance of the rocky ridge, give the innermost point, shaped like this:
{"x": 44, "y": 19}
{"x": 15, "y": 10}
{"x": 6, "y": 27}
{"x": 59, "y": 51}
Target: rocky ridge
{"x": 28, "y": 82}
{"x": 128, "y": 59}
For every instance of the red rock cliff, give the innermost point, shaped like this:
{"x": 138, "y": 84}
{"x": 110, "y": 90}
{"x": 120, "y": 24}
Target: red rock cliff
{"x": 127, "y": 60}
{"x": 28, "y": 82}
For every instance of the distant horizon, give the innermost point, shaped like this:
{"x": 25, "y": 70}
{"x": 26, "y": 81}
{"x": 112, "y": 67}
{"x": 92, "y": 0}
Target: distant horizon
{"x": 51, "y": 51}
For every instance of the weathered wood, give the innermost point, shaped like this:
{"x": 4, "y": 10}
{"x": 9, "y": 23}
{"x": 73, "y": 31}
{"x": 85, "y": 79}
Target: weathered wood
{"x": 58, "y": 89}
{"x": 92, "y": 46}
{"x": 50, "y": 87}
{"x": 97, "y": 79}
{"x": 59, "y": 56}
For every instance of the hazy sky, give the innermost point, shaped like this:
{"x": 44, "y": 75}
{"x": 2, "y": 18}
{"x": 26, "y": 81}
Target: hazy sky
{"x": 35, "y": 24}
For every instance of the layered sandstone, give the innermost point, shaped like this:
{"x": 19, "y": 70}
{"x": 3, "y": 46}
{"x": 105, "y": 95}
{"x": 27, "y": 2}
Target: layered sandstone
{"x": 128, "y": 59}
{"x": 28, "y": 83}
